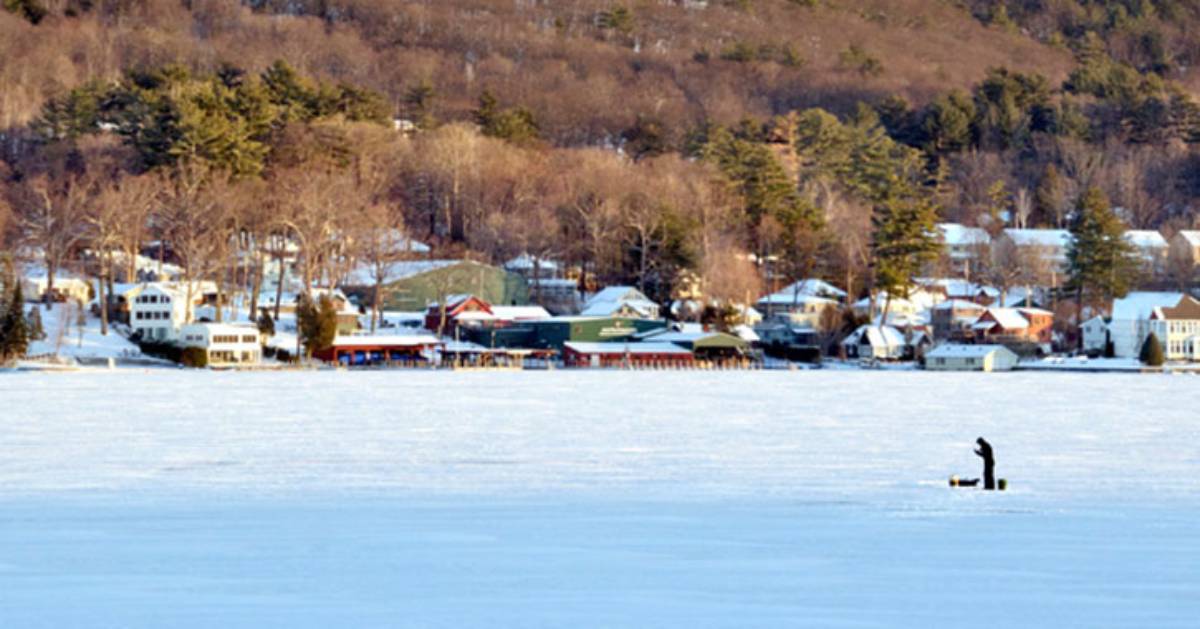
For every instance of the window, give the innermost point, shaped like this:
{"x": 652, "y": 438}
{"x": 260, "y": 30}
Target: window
{"x": 249, "y": 339}
{"x": 971, "y": 362}
{"x": 939, "y": 361}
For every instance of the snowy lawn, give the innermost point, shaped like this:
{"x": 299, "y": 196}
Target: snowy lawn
{"x": 65, "y": 337}
{"x": 596, "y": 499}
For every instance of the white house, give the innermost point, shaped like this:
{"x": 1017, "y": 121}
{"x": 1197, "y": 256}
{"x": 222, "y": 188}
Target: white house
{"x": 621, "y": 301}
{"x": 1151, "y": 247}
{"x": 1172, "y": 317}
{"x": 66, "y": 286}
{"x": 946, "y": 288}
{"x": 964, "y": 245}
{"x": 159, "y": 309}
{"x": 806, "y": 310}
{"x": 1178, "y": 329}
{"x": 918, "y": 302}
{"x": 883, "y": 342}
{"x": 953, "y": 357}
{"x": 1095, "y": 334}
{"x": 225, "y": 343}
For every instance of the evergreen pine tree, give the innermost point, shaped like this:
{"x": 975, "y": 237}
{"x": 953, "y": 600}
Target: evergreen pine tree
{"x": 316, "y": 323}
{"x": 902, "y": 243}
{"x": 326, "y": 322}
{"x": 306, "y": 323}
{"x": 14, "y": 332}
{"x": 1101, "y": 264}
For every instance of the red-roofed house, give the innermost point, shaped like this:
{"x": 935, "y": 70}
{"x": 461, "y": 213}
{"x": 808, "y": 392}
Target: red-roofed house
{"x": 1031, "y": 325}
{"x": 459, "y": 308}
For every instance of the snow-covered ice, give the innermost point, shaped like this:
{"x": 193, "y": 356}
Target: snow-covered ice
{"x": 596, "y": 499}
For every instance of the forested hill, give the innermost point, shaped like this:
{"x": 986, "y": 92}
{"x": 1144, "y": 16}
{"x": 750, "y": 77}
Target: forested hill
{"x": 788, "y": 115}
{"x": 586, "y": 68}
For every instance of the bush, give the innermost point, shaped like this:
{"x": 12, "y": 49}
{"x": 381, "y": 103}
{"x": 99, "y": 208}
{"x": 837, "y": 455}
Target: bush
{"x": 165, "y": 351}
{"x": 266, "y": 325}
{"x": 857, "y": 59}
{"x": 195, "y": 357}
{"x": 1152, "y": 353}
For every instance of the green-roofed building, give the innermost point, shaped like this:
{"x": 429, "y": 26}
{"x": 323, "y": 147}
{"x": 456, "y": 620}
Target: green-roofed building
{"x": 412, "y": 285}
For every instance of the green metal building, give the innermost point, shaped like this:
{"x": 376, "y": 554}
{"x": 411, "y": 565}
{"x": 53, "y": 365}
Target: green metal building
{"x": 552, "y": 333}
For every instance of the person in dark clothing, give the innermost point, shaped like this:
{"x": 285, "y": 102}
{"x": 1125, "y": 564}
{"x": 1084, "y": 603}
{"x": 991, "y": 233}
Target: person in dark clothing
{"x": 989, "y": 463}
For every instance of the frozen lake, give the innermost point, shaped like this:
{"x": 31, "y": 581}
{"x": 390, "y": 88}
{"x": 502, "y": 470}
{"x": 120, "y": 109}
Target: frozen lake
{"x": 596, "y": 499}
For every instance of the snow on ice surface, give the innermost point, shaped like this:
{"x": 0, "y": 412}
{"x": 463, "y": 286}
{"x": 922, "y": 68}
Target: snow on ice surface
{"x": 586, "y": 499}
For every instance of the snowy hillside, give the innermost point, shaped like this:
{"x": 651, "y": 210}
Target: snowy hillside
{"x": 66, "y": 336}
{"x": 591, "y": 499}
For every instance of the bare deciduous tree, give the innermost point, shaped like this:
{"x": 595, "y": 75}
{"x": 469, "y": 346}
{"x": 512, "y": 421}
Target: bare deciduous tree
{"x": 52, "y": 208}
{"x": 193, "y": 217}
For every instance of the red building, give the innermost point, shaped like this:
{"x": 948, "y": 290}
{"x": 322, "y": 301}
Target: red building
{"x": 1031, "y": 325}
{"x": 626, "y": 355}
{"x": 379, "y": 350}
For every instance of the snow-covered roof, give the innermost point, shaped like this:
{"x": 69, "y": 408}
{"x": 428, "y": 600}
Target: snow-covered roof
{"x": 1039, "y": 237}
{"x": 876, "y": 336}
{"x": 143, "y": 263}
{"x": 175, "y": 289}
{"x": 1008, "y": 318}
{"x": 525, "y": 262}
{"x": 1140, "y": 305}
{"x": 1191, "y": 236}
{"x": 364, "y": 274}
{"x": 652, "y": 347}
{"x": 520, "y": 313}
{"x": 957, "y": 235}
{"x": 952, "y": 350}
{"x": 221, "y": 328}
{"x": 1146, "y": 239}
{"x": 787, "y": 298}
{"x": 903, "y": 319}
{"x": 60, "y": 281}
{"x": 959, "y": 304}
{"x": 610, "y": 300}
{"x": 814, "y": 287}
{"x": 746, "y": 333}
{"x": 692, "y": 333}
{"x": 918, "y": 301}
{"x": 392, "y": 340}
{"x": 475, "y": 315}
